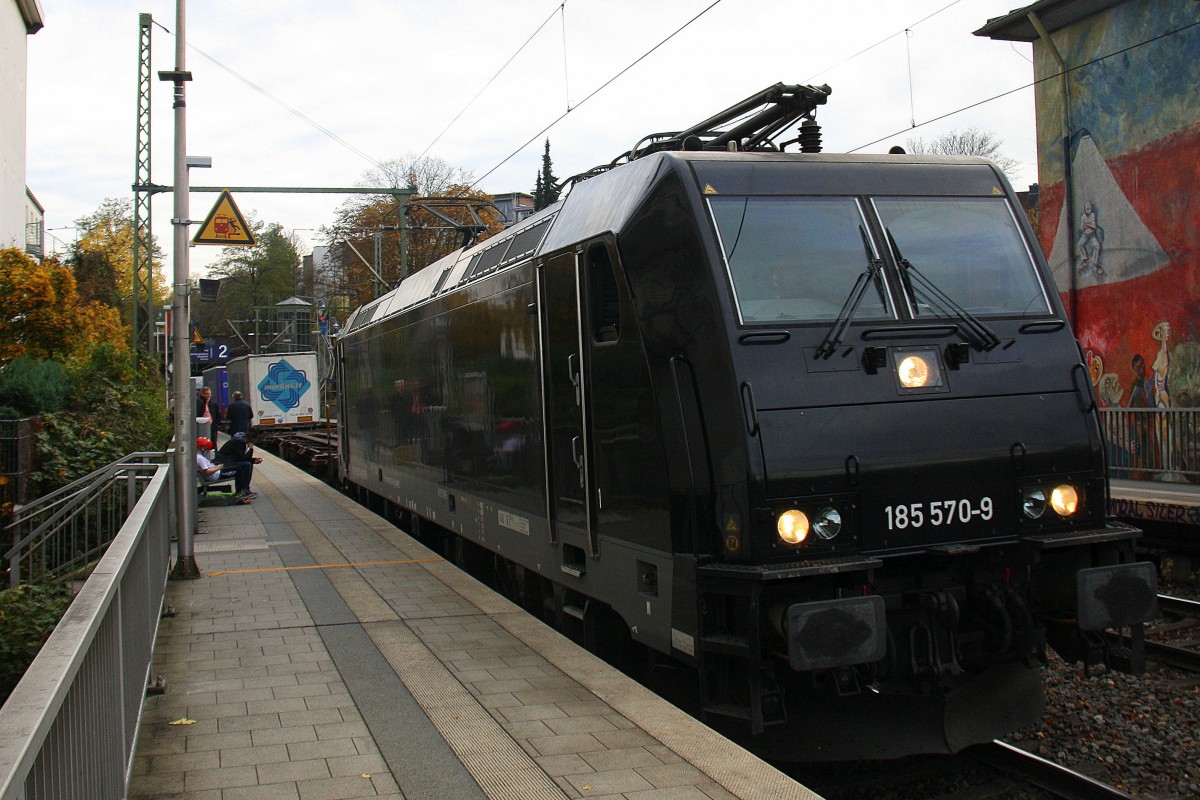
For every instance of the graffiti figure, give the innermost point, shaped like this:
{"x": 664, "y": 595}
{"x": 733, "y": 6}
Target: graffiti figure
{"x": 1143, "y": 445}
{"x": 1091, "y": 241}
{"x": 1161, "y": 365}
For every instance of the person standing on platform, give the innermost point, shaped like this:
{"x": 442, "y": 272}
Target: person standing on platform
{"x": 207, "y": 413}
{"x": 239, "y": 415}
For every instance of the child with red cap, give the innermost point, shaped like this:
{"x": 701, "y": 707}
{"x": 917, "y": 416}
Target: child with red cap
{"x": 210, "y": 472}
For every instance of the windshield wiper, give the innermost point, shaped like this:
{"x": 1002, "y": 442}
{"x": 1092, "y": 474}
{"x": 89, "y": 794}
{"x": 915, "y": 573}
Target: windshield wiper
{"x": 838, "y": 332}
{"x": 980, "y": 335}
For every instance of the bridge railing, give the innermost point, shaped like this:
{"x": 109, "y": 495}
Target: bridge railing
{"x": 69, "y": 727}
{"x": 1152, "y": 443}
{"x": 69, "y": 528}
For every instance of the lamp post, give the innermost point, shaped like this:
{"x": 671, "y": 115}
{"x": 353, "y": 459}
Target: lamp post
{"x": 185, "y": 416}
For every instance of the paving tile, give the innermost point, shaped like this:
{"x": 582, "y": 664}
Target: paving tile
{"x": 218, "y": 741}
{"x": 590, "y": 724}
{"x": 287, "y": 735}
{"x": 220, "y": 778}
{"x": 357, "y": 765}
{"x": 252, "y": 756}
{"x": 273, "y": 791}
{"x": 293, "y": 771}
{"x": 673, "y": 775}
{"x": 567, "y": 764}
{"x": 337, "y": 788}
{"x": 250, "y": 722}
{"x": 617, "y": 781}
{"x": 672, "y": 793}
{"x": 322, "y": 748}
{"x": 567, "y": 743}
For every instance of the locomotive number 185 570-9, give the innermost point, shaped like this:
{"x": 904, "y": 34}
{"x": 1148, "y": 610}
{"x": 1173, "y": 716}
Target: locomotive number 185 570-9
{"x": 937, "y": 512}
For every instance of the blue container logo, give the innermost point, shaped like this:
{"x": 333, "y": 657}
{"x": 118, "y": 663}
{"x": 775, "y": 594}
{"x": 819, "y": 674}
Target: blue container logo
{"x": 284, "y": 385}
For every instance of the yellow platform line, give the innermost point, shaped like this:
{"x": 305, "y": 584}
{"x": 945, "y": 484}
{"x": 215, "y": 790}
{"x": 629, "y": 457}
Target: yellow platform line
{"x": 325, "y": 566}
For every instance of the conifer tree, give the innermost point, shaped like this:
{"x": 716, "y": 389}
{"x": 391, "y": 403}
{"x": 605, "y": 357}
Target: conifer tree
{"x": 546, "y": 190}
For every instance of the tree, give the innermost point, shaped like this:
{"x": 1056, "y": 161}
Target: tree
{"x": 252, "y": 280}
{"x": 546, "y": 189}
{"x": 971, "y": 142}
{"x": 45, "y": 316}
{"x": 112, "y": 407}
{"x": 102, "y": 259}
{"x": 367, "y": 222}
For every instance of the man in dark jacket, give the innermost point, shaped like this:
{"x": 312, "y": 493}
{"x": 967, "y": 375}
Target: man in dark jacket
{"x": 239, "y": 415}
{"x": 239, "y": 452}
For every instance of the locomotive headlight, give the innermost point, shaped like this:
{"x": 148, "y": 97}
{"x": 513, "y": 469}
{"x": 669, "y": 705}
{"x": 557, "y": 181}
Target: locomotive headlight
{"x": 913, "y": 372}
{"x": 1064, "y": 500}
{"x": 828, "y": 523}
{"x": 919, "y": 370}
{"x": 1034, "y": 503}
{"x": 792, "y": 526}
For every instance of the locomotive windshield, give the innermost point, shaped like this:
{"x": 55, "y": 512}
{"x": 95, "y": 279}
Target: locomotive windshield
{"x": 796, "y": 259}
{"x": 970, "y": 248}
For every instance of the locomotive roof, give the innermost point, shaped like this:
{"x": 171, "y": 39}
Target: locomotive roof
{"x": 605, "y": 202}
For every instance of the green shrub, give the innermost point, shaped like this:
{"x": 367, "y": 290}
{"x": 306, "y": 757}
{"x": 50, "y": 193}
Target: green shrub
{"x": 115, "y": 409}
{"x": 32, "y": 386}
{"x": 28, "y": 615}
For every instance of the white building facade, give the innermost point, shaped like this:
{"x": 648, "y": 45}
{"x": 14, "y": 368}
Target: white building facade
{"x": 20, "y": 214}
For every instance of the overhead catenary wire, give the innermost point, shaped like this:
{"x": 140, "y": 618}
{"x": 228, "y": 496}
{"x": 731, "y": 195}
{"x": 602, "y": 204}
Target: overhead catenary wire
{"x": 559, "y": 119}
{"x": 561, "y": 8}
{"x": 597, "y": 90}
{"x": 1051, "y": 77}
{"x": 365, "y": 156}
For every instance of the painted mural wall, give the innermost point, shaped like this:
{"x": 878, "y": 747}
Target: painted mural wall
{"x": 1129, "y": 266}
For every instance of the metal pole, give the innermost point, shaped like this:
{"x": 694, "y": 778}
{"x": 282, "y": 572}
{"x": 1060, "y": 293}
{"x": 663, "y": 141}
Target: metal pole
{"x": 185, "y": 405}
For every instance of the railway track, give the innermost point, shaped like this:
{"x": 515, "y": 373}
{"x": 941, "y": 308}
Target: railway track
{"x": 1179, "y": 605}
{"x": 1170, "y": 653}
{"x": 1055, "y": 779}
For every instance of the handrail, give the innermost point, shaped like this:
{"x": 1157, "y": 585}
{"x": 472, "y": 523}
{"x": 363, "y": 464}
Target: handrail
{"x": 55, "y": 541}
{"x": 86, "y": 479}
{"x": 69, "y": 727}
{"x": 1152, "y": 443}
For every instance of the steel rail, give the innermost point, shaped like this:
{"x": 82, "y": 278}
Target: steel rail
{"x": 1054, "y": 778}
{"x": 1179, "y": 605}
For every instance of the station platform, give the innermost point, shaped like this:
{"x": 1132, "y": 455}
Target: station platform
{"x": 324, "y": 654}
{"x": 1155, "y": 501}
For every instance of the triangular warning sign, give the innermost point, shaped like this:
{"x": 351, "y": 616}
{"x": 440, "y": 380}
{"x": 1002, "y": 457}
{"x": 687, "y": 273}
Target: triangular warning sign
{"x": 225, "y": 225}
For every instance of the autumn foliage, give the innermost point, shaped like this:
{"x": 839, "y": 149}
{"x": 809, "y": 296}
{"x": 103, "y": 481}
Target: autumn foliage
{"x": 43, "y": 316}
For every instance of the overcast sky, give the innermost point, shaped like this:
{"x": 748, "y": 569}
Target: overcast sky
{"x": 306, "y": 93}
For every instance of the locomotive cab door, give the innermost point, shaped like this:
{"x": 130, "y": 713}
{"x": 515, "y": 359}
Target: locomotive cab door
{"x": 570, "y": 490}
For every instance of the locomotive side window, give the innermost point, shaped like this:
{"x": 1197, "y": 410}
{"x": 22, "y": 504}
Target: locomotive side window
{"x": 970, "y": 248}
{"x": 795, "y": 259}
{"x": 604, "y": 301}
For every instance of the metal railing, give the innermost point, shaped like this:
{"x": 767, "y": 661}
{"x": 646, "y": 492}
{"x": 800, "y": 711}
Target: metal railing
{"x": 69, "y": 728}
{"x": 1152, "y": 443}
{"x": 70, "y": 527}
{"x": 16, "y": 460}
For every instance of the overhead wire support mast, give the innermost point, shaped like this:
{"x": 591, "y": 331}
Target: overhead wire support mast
{"x": 142, "y": 317}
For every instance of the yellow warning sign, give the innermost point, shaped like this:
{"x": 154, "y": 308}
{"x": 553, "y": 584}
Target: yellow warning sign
{"x": 225, "y": 225}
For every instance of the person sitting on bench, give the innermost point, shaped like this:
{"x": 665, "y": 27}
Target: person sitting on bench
{"x": 211, "y": 473}
{"x": 239, "y": 450}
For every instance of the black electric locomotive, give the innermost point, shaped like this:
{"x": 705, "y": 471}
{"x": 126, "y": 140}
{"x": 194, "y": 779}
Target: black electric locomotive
{"x": 814, "y": 425}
